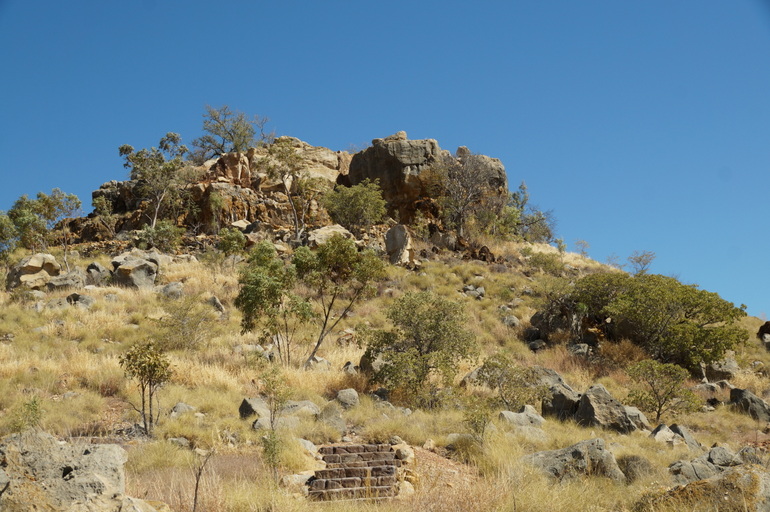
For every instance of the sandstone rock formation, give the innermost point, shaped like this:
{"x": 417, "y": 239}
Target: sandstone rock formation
{"x": 407, "y": 171}
{"x": 33, "y": 272}
{"x": 39, "y": 473}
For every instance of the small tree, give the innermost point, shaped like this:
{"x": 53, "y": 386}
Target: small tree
{"x": 158, "y": 172}
{"x": 265, "y": 298}
{"x": 465, "y": 185}
{"x": 103, "y": 208}
{"x": 640, "y": 261}
{"x": 33, "y": 219}
{"x": 228, "y": 131}
{"x": 231, "y": 241}
{"x": 150, "y": 367}
{"x": 356, "y": 207}
{"x": 515, "y": 384}
{"x": 338, "y": 276}
{"x": 163, "y": 236}
{"x": 275, "y": 391}
{"x": 284, "y": 164}
{"x": 187, "y": 324}
{"x": 429, "y": 337}
{"x": 662, "y": 388}
{"x": 534, "y": 225}
{"x": 7, "y": 238}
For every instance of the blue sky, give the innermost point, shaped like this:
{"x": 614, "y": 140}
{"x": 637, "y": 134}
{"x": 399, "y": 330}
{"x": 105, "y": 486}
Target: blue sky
{"x": 643, "y": 125}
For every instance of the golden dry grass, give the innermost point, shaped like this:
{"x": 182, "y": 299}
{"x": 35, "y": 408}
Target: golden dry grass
{"x": 54, "y": 352}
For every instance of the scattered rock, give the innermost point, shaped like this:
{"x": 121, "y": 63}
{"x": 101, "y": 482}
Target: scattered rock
{"x": 635, "y": 467}
{"x": 134, "y": 272}
{"x": 75, "y": 279}
{"x": 331, "y": 415}
{"x": 80, "y": 300}
{"x": 744, "y": 488}
{"x": 584, "y": 458}
{"x": 526, "y": 417}
{"x": 749, "y": 403}
{"x": 398, "y": 245}
{"x": 172, "y": 290}
{"x": 322, "y": 235}
{"x": 725, "y": 369}
{"x": 598, "y": 408}
{"x": 33, "y": 272}
{"x": 180, "y": 408}
{"x": 686, "y": 436}
{"x": 318, "y": 363}
{"x": 348, "y": 398}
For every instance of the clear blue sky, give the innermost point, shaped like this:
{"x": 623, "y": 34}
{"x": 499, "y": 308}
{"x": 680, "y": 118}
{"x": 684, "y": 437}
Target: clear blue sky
{"x": 643, "y": 125}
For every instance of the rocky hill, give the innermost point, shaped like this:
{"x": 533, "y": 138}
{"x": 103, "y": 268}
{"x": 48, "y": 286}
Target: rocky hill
{"x": 478, "y": 372}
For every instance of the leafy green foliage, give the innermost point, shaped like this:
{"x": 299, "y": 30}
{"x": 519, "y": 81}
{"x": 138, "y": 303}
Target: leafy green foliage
{"x": 532, "y": 224}
{"x": 103, "y": 208}
{"x": 672, "y": 321}
{"x": 514, "y": 384}
{"x": 164, "y": 236}
{"x": 231, "y": 241}
{"x": 284, "y": 164}
{"x": 429, "y": 337}
{"x": 228, "y": 131}
{"x": 356, "y": 207}
{"x": 338, "y": 277}
{"x": 146, "y": 363}
{"x": 549, "y": 263}
{"x": 33, "y": 219}
{"x": 265, "y": 298}
{"x": 663, "y": 388}
{"x": 7, "y": 237}
{"x": 159, "y": 173}
{"x": 275, "y": 391}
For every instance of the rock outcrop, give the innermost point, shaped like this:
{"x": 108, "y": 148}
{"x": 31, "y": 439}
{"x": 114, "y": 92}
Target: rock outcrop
{"x": 749, "y": 403}
{"x": 584, "y": 458}
{"x": 598, "y": 408}
{"x": 37, "y": 472}
{"x": 33, "y": 272}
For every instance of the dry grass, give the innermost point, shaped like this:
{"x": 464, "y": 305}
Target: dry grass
{"x": 54, "y": 352}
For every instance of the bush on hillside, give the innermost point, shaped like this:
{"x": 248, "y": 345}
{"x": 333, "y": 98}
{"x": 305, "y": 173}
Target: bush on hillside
{"x": 429, "y": 338}
{"x": 673, "y": 322}
{"x": 356, "y": 207}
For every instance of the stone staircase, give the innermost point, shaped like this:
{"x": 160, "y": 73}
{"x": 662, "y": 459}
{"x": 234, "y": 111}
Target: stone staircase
{"x": 363, "y": 471}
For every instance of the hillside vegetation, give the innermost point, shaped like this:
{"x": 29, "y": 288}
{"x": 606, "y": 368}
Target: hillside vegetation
{"x": 439, "y": 309}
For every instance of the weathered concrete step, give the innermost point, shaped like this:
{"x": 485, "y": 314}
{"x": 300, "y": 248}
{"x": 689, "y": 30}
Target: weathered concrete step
{"x": 354, "y": 448}
{"x": 356, "y": 457}
{"x": 347, "y": 472}
{"x": 353, "y": 493}
{"x": 318, "y": 484}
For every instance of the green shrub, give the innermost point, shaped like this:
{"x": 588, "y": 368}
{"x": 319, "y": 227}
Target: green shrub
{"x": 356, "y": 207}
{"x": 429, "y": 338}
{"x": 165, "y": 237}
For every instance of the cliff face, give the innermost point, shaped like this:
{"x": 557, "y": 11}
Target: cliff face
{"x": 234, "y": 187}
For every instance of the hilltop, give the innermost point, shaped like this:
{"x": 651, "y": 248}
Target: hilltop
{"x": 398, "y": 301}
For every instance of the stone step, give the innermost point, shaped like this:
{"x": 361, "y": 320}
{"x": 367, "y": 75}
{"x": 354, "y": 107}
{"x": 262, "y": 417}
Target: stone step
{"x": 356, "y": 457}
{"x": 354, "y": 448}
{"x": 319, "y": 484}
{"x": 353, "y": 493}
{"x": 364, "y": 464}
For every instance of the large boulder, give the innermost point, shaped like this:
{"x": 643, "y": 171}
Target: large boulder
{"x": 743, "y": 488}
{"x": 598, "y": 408}
{"x": 134, "y": 270}
{"x": 40, "y": 473}
{"x": 33, "y": 272}
{"x": 71, "y": 280}
{"x": 562, "y": 402}
{"x": 749, "y": 403}
{"x": 584, "y": 458}
{"x": 724, "y": 369}
{"x": 398, "y": 245}
{"x": 322, "y": 235}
